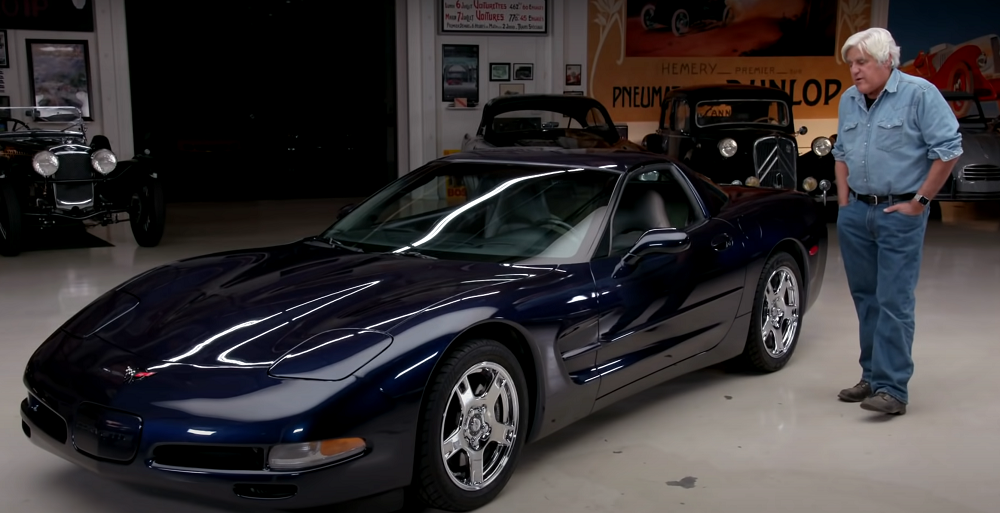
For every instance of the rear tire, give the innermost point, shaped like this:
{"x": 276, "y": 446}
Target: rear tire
{"x": 11, "y": 227}
{"x": 776, "y": 319}
{"x": 477, "y": 406}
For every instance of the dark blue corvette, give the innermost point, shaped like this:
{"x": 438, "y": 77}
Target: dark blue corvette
{"x": 481, "y": 302}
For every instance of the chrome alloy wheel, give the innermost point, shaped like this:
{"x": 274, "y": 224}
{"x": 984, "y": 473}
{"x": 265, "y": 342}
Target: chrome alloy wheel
{"x": 479, "y": 426}
{"x": 779, "y": 312}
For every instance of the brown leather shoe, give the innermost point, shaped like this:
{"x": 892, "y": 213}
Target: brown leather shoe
{"x": 857, "y": 393}
{"x": 884, "y": 403}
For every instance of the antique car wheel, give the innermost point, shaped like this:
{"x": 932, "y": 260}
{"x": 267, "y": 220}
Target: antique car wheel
{"x": 147, "y": 215}
{"x": 473, "y": 427}
{"x": 11, "y": 232}
{"x": 648, "y": 12}
{"x": 680, "y": 22}
{"x": 777, "y": 315}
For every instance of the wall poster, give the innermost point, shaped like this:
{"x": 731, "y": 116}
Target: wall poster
{"x": 491, "y": 16}
{"x": 958, "y": 52}
{"x": 460, "y": 73}
{"x": 640, "y": 49}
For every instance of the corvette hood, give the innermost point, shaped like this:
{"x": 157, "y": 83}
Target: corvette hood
{"x": 249, "y": 308}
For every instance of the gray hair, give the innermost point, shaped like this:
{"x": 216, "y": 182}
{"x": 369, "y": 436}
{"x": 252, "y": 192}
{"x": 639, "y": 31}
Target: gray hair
{"x": 876, "y": 42}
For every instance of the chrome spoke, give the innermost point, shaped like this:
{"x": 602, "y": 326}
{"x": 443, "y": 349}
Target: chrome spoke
{"x": 476, "y": 468}
{"x": 466, "y": 397}
{"x": 452, "y": 445}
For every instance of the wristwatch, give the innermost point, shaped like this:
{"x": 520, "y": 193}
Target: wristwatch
{"x": 923, "y": 200}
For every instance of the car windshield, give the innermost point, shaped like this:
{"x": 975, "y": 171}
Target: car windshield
{"x": 741, "y": 112}
{"x": 26, "y": 119}
{"x": 484, "y": 211}
{"x": 967, "y": 110}
{"x": 531, "y": 120}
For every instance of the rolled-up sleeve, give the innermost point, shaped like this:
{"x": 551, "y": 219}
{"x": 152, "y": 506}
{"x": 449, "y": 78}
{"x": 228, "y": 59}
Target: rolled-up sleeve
{"x": 939, "y": 126}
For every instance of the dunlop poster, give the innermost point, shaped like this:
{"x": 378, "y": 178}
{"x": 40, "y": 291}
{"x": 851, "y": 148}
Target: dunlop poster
{"x": 640, "y": 49}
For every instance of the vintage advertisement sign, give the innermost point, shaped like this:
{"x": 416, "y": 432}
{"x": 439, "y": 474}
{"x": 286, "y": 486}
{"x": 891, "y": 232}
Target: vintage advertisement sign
{"x": 493, "y": 16}
{"x": 640, "y": 49}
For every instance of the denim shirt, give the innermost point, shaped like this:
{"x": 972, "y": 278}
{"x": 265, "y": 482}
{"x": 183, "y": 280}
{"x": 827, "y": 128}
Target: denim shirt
{"x": 890, "y": 149}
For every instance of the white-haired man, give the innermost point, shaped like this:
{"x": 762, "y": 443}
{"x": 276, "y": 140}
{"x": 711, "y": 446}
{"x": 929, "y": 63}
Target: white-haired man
{"x": 897, "y": 143}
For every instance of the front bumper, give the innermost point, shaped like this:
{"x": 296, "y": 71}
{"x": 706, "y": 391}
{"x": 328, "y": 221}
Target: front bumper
{"x": 118, "y": 431}
{"x": 359, "y": 481}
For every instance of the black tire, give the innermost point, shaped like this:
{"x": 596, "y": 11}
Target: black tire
{"x": 680, "y": 22}
{"x": 433, "y": 482}
{"x": 148, "y": 213}
{"x": 11, "y": 227}
{"x": 758, "y": 354}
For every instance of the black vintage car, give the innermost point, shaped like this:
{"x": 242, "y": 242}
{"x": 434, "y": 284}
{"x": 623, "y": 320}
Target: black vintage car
{"x": 51, "y": 176}
{"x": 680, "y": 16}
{"x": 742, "y": 134}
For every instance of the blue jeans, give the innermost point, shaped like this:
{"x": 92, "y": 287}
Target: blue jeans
{"x": 882, "y": 254}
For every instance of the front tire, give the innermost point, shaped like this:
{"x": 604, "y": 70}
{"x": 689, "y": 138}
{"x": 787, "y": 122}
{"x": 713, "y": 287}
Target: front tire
{"x": 648, "y": 15}
{"x": 11, "y": 227}
{"x": 680, "y": 22}
{"x": 473, "y": 427}
{"x": 777, "y": 315}
{"x": 148, "y": 213}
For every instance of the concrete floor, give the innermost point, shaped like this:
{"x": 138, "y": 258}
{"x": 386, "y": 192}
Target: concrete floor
{"x": 776, "y": 443}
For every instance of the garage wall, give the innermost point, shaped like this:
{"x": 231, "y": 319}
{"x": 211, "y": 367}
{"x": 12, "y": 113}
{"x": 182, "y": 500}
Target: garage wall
{"x": 109, "y": 73}
{"x": 431, "y": 127}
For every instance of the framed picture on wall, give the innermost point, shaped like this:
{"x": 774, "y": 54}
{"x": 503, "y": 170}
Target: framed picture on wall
{"x": 574, "y": 74}
{"x": 500, "y": 71}
{"x": 460, "y": 73}
{"x": 4, "y": 53}
{"x": 509, "y": 89}
{"x": 524, "y": 71}
{"x": 59, "y": 74}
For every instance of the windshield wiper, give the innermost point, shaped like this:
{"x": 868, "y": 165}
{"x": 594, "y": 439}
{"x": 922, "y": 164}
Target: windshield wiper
{"x": 330, "y": 241}
{"x": 412, "y": 253}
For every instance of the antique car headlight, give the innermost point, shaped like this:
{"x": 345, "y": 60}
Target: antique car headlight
{"x": 313, "y": 454}
{"x": 822, "y": 146}
{"x": 737, "y": 182}
{"x": 727, "y": 147}
{"x": 825, "y": 185}
{"x": 753, "y": 181}
{"x": 45, "y": 163}
{"x": 104, "y": 161}
{"x": 809, "y": 184}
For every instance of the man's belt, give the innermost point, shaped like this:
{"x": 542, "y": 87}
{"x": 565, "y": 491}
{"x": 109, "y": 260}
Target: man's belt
{"x": 875, "y": 199}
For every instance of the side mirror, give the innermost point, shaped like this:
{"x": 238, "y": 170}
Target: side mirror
{"x": 804, "y": 130}
{"x": 344, "y": 210}
{"x": 657, "y": 240}
{"x": 653, "y": 142}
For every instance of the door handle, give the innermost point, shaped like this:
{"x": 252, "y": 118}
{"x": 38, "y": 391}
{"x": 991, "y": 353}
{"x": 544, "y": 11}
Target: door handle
{"x": 722, "y": 242}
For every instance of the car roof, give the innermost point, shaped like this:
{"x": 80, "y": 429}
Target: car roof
{"x": 725, "y": 91}
{"x": 611, "y": 159}
{"x": 515, "y": 99}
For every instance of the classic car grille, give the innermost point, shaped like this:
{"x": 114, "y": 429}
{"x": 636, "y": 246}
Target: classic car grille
{"x": 73, "y": 166}
{"x": 69, "y": 195}
{"x": 981, "y": 172}
{"x": 106, "y": 434}
{"x": 774, "y": 162}
{"x": 210, "y": 457}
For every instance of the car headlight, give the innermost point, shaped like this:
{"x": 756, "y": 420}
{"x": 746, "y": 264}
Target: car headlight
{"x": 752, "y": 181}
{"x": 809, "y": 184}
{"x": 104, "y": 161}
{"x": 737, "y": 182}
{"x": 727, "y": 147}
{"x": 314, "y": 454}
{"x": 45, "y": 163}
{"x": 825, "y": 185}
{"x": 822, "y": 146}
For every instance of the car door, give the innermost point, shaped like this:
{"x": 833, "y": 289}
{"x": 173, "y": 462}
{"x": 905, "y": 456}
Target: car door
{"x": 666, "y": 307}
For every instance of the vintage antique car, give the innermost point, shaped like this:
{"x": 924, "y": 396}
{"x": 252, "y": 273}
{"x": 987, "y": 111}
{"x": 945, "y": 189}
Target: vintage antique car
{"x": 50, "y": 176}
{"x": 976, "y": 175}
{"x": 742, "y": 134}
{"x": 415, "y": 346}
{"x": 681, "y": 16}
{"x": 558, "y": 120}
